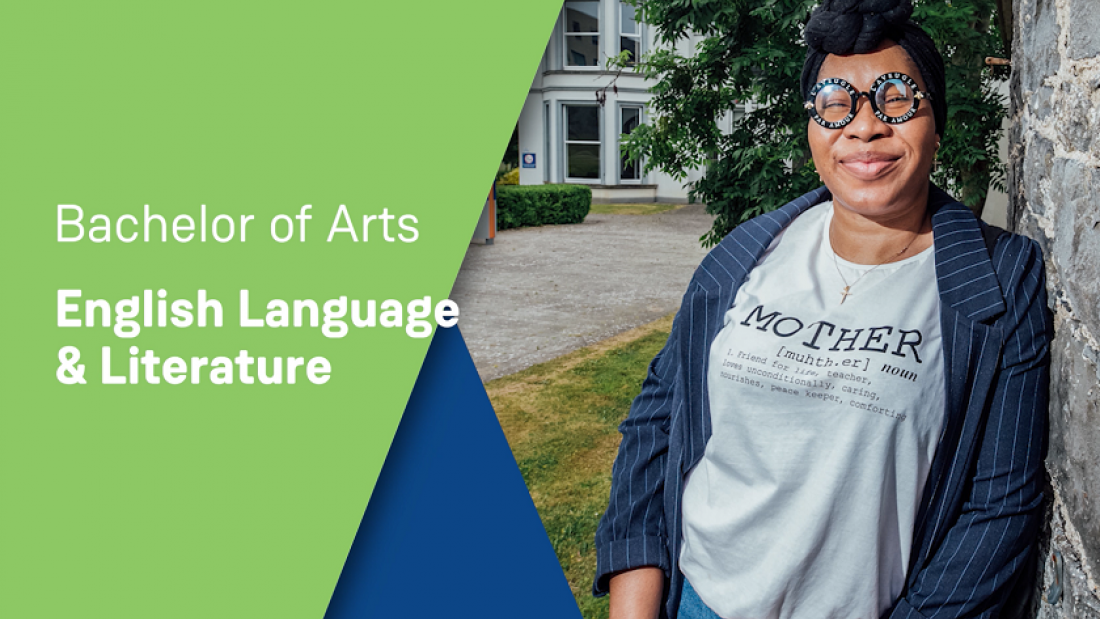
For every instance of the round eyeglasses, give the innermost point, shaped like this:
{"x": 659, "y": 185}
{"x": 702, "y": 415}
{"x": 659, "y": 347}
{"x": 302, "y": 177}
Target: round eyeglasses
{"x": 894, "y": 99}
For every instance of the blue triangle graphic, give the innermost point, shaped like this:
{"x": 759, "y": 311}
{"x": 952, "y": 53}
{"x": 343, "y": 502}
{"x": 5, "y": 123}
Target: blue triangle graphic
{"x": 450, "y": 530}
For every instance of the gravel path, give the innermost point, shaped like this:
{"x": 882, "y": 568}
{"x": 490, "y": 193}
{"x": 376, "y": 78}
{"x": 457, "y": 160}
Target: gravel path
{"x": 538, "y": 293}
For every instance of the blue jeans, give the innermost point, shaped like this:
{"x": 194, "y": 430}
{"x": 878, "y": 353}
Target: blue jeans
{"x": 691, "y": 607}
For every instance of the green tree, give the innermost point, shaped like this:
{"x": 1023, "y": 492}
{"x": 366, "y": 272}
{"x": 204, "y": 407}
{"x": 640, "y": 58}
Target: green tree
{"x": 966, "y": 33}
{"x": 752, "y": 51}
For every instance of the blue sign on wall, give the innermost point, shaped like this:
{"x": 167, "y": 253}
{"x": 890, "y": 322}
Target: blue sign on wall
{"x": 527, "y": 160}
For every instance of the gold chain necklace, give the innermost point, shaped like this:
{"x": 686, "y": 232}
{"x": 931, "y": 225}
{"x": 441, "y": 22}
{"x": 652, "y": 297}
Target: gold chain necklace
{"x": 847, "y": 290}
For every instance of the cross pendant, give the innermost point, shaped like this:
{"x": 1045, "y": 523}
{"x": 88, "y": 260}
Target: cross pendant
{"x": 844, "y": 294}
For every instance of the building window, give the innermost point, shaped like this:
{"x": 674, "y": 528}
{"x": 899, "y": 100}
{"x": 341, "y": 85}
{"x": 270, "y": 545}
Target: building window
{"x": 630, "y": 32}
{"x": 582, "y": 142}
{"x": 630, "y": 118}
{"x": 546, "y": 142}
{"x": 582, "y": 34}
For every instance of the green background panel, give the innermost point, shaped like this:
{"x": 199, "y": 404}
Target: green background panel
{"x": 226, "y": 501}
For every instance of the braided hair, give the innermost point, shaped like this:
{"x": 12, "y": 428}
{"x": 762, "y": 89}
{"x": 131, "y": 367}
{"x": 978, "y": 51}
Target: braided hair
{"x": 860, "y": 26}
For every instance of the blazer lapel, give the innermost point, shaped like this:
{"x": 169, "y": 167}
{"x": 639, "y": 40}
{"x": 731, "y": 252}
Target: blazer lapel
{"x": 970, "y": 298}
{"x": 964, "y": 272}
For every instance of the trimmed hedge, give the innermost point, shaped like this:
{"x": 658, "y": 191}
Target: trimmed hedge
{"x": 539, "y": 205}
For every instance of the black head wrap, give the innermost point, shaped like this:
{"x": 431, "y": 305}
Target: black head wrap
{"x": 860, "y": 26}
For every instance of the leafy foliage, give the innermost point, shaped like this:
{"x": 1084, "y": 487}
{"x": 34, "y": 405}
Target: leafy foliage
{"x": 965, "y": 33}
{"x": 752, "y": 51}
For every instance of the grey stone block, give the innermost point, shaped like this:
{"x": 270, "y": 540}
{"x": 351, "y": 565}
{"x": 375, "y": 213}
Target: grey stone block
{"x": 1084, "y": 29}
{"x": 1038, "y": 49}
{"x": 1037, "y": 163}
{"x": 1073, "y": 118}
{"x": 1073, "y": 460}
{"x": 1040, "y": 102}
{"x": 1077, "y": 248}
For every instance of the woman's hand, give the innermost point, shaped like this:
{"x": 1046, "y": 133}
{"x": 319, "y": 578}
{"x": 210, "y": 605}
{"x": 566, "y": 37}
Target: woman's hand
{"x": 636, "y": 594}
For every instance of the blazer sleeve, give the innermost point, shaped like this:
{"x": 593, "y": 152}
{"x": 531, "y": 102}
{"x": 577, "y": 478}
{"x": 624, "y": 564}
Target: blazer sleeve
{"x": 982, "y": 554}
{"x": 632, "y": 532}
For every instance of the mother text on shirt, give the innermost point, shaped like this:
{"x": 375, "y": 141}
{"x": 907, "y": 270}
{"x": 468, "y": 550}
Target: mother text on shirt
{"x": 884, "y": 339}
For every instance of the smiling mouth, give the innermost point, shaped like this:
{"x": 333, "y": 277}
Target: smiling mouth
{"x": 868, "y": 167}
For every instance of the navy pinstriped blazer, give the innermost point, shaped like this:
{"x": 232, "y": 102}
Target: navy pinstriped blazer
{"x": 978, "y": 516}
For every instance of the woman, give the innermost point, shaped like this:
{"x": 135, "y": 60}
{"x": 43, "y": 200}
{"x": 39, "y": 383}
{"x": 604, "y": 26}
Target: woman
{"x": 849, "y": 417}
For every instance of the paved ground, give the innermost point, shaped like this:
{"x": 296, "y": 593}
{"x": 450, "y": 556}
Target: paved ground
{"x": 538, "y": 293}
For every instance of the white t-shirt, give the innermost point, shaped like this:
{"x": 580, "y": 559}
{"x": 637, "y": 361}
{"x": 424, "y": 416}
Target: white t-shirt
{"x": 825, "y": 420}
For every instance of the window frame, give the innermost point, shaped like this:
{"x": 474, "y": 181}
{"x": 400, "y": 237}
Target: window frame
{"x": 599, "y": 66}
{"x": 565, "y": 142}
{"x": 622, "y": 105}
{"x": 546, "y": 115}
{"x": 638, "y": 38}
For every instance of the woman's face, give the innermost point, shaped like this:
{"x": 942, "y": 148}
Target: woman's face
{"x": 875, "y": 169}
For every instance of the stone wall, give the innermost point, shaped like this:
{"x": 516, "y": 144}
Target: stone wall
{"x": 1054, "y": 187}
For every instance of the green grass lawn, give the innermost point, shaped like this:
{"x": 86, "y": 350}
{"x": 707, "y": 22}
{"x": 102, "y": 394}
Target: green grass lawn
{"x": 650, "y": 208}
{"x": 561, "y": 419}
